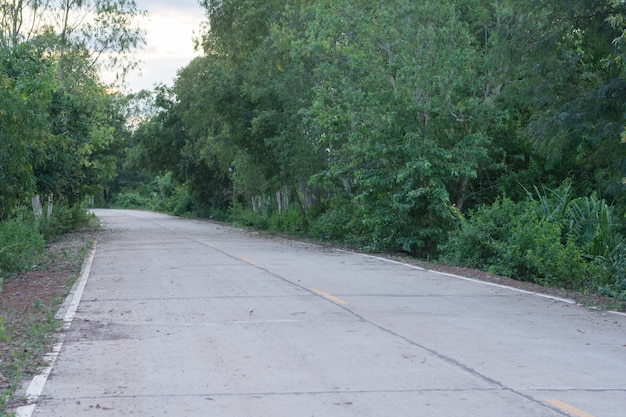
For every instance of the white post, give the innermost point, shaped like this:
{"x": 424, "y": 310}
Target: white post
{"x": 50, "y": 203}
{"x": 37, "y": 207}
{"x": 279, "y": 201}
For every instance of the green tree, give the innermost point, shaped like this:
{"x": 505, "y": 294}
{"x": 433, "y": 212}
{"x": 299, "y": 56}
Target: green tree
{"x": 572, "y": 100}
{"x": 400, "y": 108}
{"x": 86, "y": 36}
{"x": 81, "y": 38}
{"x": 27, "y": 84}
{"x": 392, "y": 118}
{"x": 86, "y": 124}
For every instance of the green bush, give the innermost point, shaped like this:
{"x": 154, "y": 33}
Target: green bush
{"x": 177, "y": 203}
{"x": 21, "y": 244}
{"x": 614, "y": 284}
{"x": 63, "y": 220}
{"x": 249, "y": 218}
{"x": 534, "y": 251}
{"x": 160, "y": 194}
{"x": 336, "y": 223}
{"x": 588, "y": 220}
{"x": 289, "y": 221}
{"x": 132, "y": 200}
{"x": 478, "y": 241}
{"x": 526, "y": 240}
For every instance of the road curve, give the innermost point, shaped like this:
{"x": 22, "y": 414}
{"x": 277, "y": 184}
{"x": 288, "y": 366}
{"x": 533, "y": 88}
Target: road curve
{"x": 190, "y": 318}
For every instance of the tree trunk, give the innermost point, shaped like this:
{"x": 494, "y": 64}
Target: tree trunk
{"x": 461, "y": 189}
{"x": 37, "y": 206}
{"x": 50, "y": 204}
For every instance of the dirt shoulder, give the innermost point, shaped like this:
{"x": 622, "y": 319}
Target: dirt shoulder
{"x": 28, "y": 303}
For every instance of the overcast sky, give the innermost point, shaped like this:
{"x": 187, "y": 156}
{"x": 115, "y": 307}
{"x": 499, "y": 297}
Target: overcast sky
{"x": 171, "y": 25}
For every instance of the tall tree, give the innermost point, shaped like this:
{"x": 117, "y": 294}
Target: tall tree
{"x": 27, "y": 84}
{"x": 401, "y": 110}
{"x": 74, "y": 40}
{"x": 399, "y": 115}
{"x": 20, "y": 20}
{"x": 86, "y": 35}
{"x": 573, "y": 100}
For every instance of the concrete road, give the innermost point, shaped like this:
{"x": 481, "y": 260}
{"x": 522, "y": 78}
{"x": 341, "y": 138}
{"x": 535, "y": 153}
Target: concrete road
{"x": 189, "y": 318}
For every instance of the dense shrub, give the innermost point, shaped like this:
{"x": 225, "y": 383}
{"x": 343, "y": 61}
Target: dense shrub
{"x": 249, "y": 218}
{"x": 177, "y": 202}
{"x": 476, "y": 243}
{"x": 160, "y": 194}
{"x": 63, "y": 220}
{"x": 615, "y": 283}
{"x": 289, "y": 221}
{"x": 337, "y": 223}
{"x": 533, "y": 250}
{"x": 550, "y": 239}
{"x": 20, "y": 244}
{"x": 132, "y": 200}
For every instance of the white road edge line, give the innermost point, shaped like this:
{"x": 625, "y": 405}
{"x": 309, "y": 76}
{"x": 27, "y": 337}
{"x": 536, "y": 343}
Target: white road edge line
{"x": 550, "y": 297}
{"x": 35, "y": 388}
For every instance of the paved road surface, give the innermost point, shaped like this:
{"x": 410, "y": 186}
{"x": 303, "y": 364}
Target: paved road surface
{"x": 189, "y": 318}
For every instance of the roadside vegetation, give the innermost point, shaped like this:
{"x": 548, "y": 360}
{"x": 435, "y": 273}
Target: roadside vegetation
{"x": 481, "y": 134}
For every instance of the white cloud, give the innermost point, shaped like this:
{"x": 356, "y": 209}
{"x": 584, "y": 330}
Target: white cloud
{"x": 169, "y": 4}
{"x": 171, "y": 26}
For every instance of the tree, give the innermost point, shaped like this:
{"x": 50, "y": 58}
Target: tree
{"x": 384, "y": 108}
{"x": 26, "y": 87}
{"x": 572, "y": 100}
{"x": 61, "y": 148}
{"x": 393, "y": 118}
{"x": 398, "y": 108}
{"x": 216, "y": 119}
{"x": 86, "y": 36}
{"x": 20, "y": 20}
{"x": 86, "y": 125}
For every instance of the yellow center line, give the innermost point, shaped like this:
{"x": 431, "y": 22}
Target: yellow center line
{"x": 569, "y": 408}
{"x": 329, "y": 297}
{"x": 248, "y": 261}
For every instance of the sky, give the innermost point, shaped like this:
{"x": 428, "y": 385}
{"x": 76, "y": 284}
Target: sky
{"x": 170, "y": 25}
